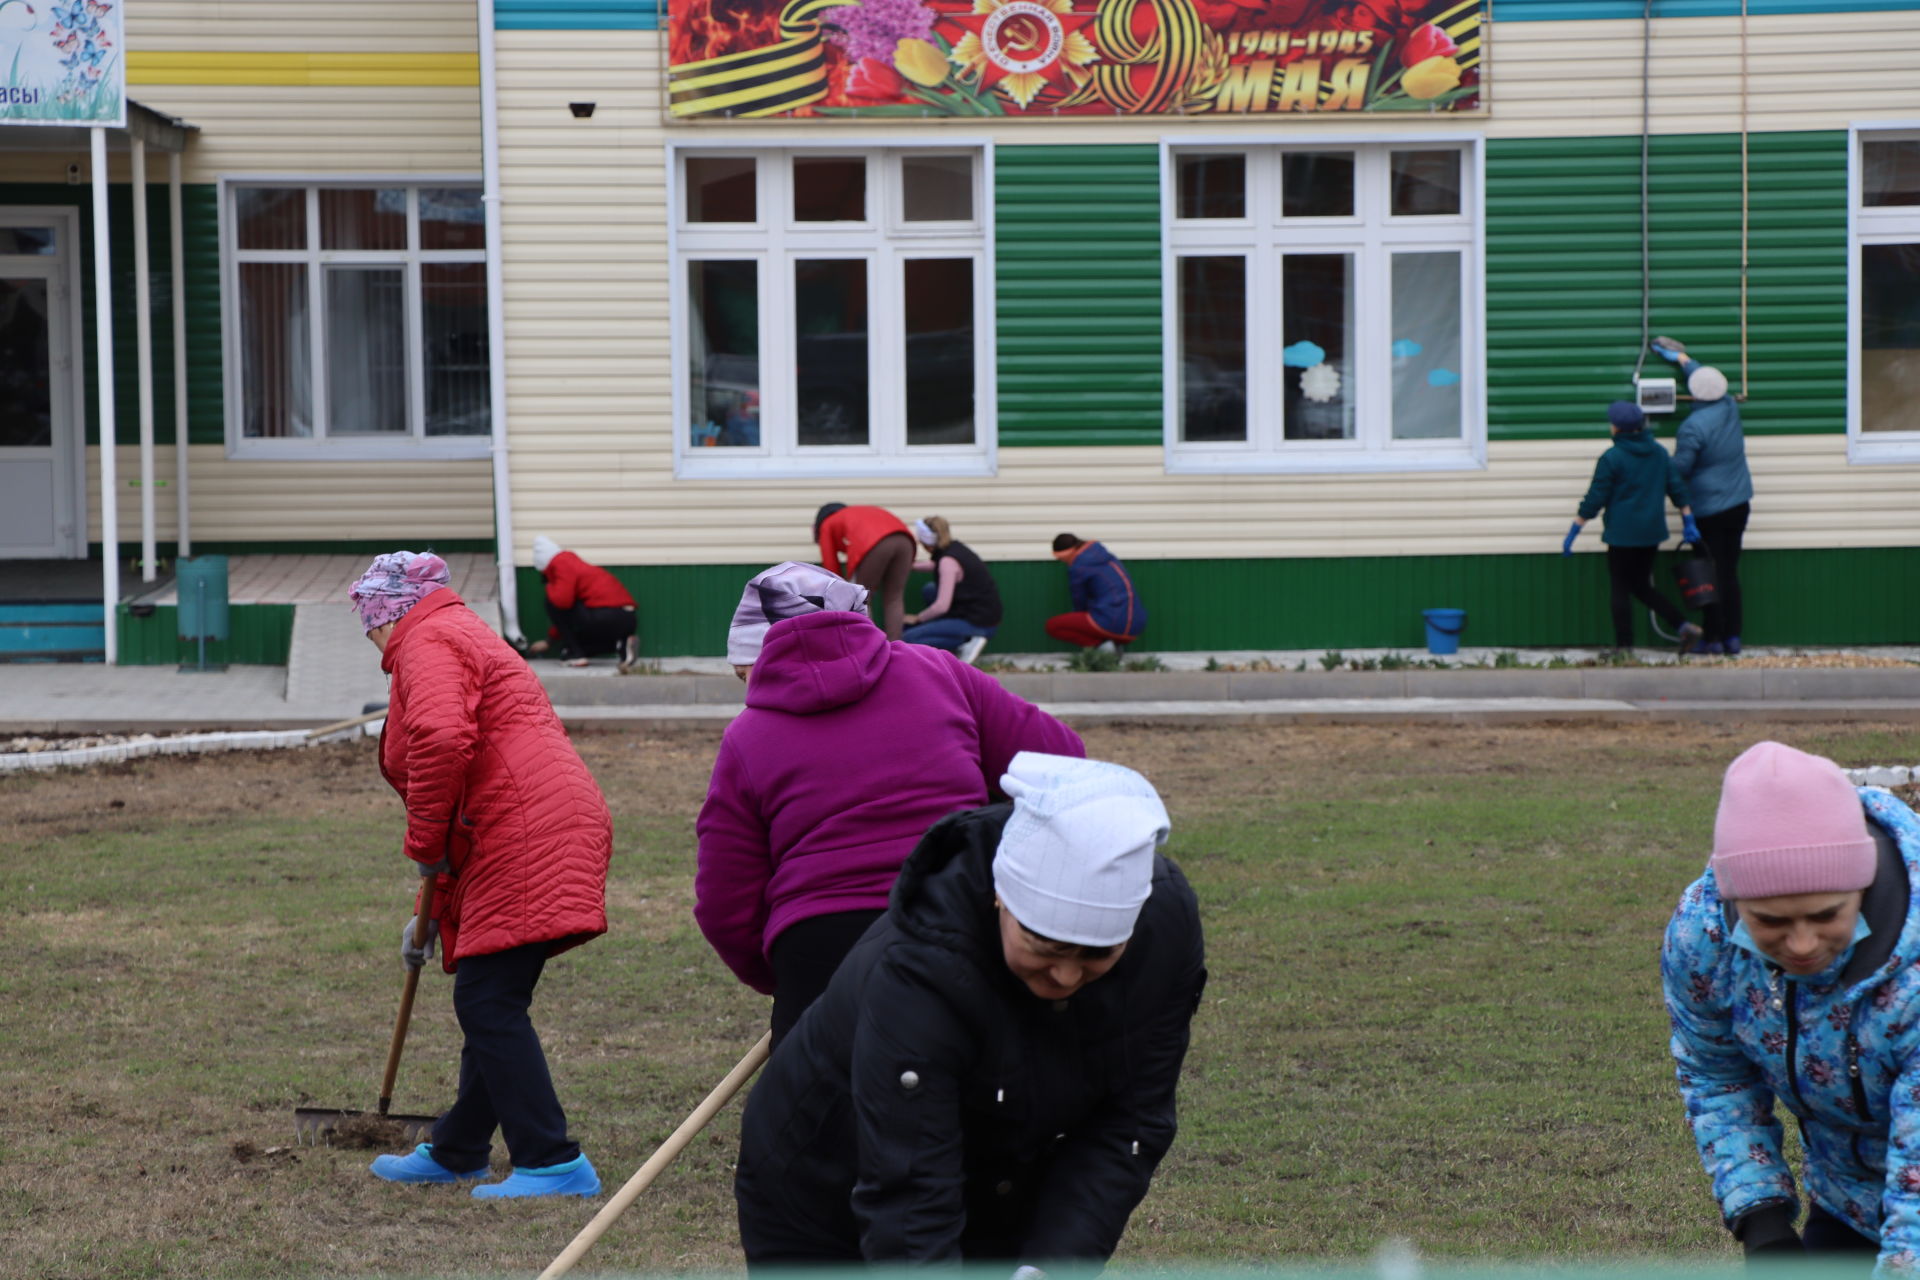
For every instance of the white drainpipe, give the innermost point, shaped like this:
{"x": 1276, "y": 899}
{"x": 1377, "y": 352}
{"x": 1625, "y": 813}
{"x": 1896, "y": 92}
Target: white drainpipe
{"x": 496, "y": 326}
{"x": 103, "y": 371}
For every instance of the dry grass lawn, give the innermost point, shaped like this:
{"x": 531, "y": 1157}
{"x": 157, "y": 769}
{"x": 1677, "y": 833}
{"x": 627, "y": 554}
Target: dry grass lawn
{"x": 1434, "y": 1010}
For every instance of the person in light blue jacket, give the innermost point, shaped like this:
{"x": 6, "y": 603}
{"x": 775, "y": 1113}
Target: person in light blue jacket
{"x": 1710, "y": 453}
{"x": 1791, "y": 971}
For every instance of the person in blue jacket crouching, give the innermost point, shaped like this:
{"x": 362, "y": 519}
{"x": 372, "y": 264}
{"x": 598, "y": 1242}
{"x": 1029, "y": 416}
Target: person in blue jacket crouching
{"x": 1790, "y": 977}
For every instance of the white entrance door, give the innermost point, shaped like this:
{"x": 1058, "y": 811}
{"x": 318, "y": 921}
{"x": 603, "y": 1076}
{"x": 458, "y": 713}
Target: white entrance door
{"x": 41, "y": 507}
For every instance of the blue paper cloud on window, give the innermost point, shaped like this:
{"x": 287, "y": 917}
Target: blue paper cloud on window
{"x": 1303, "y": 355}
{"x": 1405, "y": 348}
{"x": 1443, "y": 378}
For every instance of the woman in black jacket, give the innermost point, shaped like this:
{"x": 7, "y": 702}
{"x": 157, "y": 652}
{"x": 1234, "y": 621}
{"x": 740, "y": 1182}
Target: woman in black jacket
{"x": 991, "y": 1073}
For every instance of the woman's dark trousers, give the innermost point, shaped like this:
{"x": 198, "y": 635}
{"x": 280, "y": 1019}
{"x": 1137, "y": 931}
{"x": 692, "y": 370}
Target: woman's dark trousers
{"x": 1630, "y": 570}
{"x": 1826, "y": 1233}
{"x": 503, "y": 1073}
{"x": 1722, "y": 532}
{"x": 805, "y": 957}
{"x": 585, "y": 632}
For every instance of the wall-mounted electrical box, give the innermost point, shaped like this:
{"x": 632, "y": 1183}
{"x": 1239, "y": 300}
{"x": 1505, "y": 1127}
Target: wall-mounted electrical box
{"x": 1656, "y": 395}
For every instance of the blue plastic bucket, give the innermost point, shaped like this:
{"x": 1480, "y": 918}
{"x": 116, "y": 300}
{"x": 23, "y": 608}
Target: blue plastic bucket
{"x": 1443, "y": 629}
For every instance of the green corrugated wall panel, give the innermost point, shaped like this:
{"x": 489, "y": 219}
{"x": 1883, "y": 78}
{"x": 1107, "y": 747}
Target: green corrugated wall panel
{"x": 1077, "y": 269}
{"x": 1793, "y": 597}
{"x": 201, "y": 241}
{"x": 258, "y": 635}
{"x": 1563, "y": 275}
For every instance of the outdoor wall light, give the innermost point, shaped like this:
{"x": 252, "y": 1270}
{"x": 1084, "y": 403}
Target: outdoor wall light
{"x": 581, "y": 110}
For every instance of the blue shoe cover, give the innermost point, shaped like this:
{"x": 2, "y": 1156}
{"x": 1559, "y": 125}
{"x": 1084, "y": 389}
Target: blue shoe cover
{"x": 1733, "y": 644}
{"x": 418, "y": 1166}
{"x": 574, "y": 1178}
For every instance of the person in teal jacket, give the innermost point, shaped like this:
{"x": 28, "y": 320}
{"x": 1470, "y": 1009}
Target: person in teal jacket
{"x": 1710, "y": 453}
{"x": 1630, "y": 483}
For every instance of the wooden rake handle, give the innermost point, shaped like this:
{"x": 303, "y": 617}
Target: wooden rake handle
{"x": 659, "y": 1160}
{"x": 406, "y": 998}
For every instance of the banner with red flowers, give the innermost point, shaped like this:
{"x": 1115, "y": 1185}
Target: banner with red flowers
{"x": 1055, "y": 58}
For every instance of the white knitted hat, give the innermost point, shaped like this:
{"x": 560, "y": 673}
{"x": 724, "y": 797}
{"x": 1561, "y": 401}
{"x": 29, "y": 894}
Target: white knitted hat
{"x": 1707, "y": 383}
{"x": 1075, "y": 861}
{"x": 544, "y": 550}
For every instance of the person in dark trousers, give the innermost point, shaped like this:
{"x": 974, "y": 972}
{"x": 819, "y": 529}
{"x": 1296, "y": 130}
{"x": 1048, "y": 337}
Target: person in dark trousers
{"x": 848, "y": 750}
{"x": 1107, "y": 612}
{"x": 1790, "y": 985}
{"x": 963, "y": 603}
{"x": 990, "y": 1076}
{"x": 1710, "y": 453}
{"x": 876, "y": 549}
{"x": 1631, "y": 482}
{"x": 590, "y": 611}
{"x": 503, "y": 814}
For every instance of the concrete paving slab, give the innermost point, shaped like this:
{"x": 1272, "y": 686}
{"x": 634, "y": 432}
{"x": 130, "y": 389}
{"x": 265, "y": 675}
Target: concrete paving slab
{"x": 1269, "y": 685}
{"x": 1650, "y": 684}
{"x": 330, "y": 661}
{"x": 1495, "y": 683}
{"x": 1790, "y": 684}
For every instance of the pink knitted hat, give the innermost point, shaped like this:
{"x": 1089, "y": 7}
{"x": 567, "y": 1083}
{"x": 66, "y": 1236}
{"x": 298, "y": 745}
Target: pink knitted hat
{"x": 1789, "y": 823}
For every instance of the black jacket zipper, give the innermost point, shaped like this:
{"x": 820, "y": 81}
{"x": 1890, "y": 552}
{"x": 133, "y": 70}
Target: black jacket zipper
{"x": 1793, "y": 1040}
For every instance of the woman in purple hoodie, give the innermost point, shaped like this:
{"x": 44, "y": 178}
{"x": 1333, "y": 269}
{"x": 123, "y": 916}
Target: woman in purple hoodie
{"x": 850, "y": 747}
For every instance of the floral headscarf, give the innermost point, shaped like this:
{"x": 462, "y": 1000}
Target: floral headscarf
{"x": 395, "y": 583}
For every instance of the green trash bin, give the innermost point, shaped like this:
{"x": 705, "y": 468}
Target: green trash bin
{"x": 201, "y": 583}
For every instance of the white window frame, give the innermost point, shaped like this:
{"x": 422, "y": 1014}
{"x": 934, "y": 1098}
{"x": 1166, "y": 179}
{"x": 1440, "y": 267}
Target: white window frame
{"x": 355, "y": 448}
{"x": 885, "y": 242}
{"x": 1870, "y": 227}
{"x": 1372, "y": 240}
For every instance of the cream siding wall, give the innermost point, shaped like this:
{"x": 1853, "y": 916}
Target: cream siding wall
{"x": 301, "y": 501}
{"x": 320, "y": 130}
{"x": 431, "y": 127}
{"x": 384, "y": 26}
{"x": 1810, "y": 497}
{"x": 588, "y": 311}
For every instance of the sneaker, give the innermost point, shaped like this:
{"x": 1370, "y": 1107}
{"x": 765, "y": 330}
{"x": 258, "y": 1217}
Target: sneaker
{"x": 1733, "y": 645}
{"x": 1690, "y": 637}
{"x": 629, "y": 652}
{"x": 970, "y": 649}
{"x": 574, "y": 1178}
{"x": 1713, "y": 646}
{"x": 418, "y": 1166}
{"x": 1107, "y": 646}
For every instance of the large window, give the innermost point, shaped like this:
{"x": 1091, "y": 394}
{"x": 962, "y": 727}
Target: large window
{"x": 356, "y": 318}
{"x": 1323, "y": 307}
{"x": 831, "y": 311}
{"x": 1885, "y": 413}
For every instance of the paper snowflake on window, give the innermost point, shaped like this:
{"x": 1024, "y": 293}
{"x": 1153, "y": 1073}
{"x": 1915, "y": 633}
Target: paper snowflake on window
{"x": 1320, "y": 383}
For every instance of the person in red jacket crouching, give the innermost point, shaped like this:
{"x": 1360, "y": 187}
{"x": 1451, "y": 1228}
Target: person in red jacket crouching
{"x": 591, "y": 612}
{"x": 517, "y": 835}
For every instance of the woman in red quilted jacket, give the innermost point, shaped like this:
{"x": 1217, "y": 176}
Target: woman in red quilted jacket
{"x": 502, "y": 812}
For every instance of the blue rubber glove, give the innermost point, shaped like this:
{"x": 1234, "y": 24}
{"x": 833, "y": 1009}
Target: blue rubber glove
{"x": 1566, "y": 548}
{"x": 1689, "y": 530}
{"x": 1668, "y": 349}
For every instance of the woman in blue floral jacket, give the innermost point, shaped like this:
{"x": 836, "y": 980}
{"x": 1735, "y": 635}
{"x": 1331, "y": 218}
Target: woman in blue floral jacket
{"x": 1792, "y": 975}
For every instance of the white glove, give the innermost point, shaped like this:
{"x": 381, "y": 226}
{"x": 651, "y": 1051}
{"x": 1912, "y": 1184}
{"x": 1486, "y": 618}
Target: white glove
{"x": 410, "y": 957}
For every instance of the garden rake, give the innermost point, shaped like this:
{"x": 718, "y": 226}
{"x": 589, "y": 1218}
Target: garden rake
{"x": 380, "y": 1127}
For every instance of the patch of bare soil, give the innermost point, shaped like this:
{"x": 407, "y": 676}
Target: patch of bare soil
{"x": 665, "y": 771}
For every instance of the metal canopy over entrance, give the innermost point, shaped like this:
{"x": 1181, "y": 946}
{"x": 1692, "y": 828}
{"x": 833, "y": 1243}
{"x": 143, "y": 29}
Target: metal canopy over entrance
{"x": 42, "y": 396}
